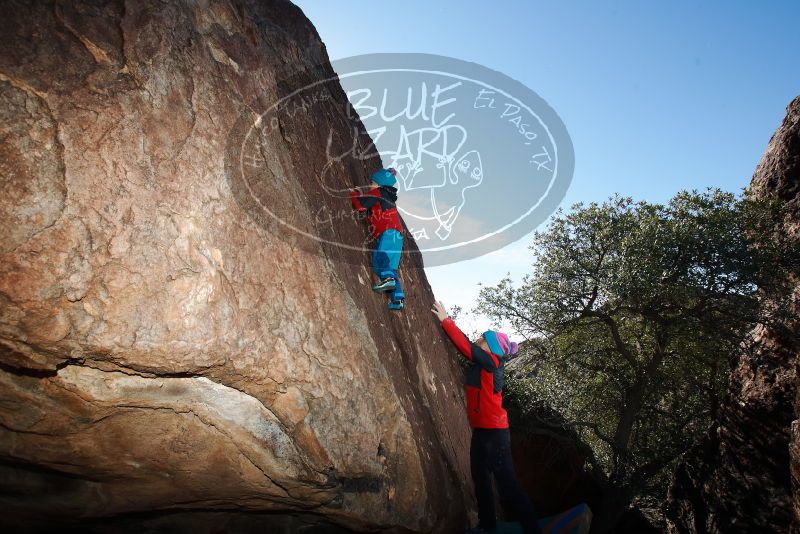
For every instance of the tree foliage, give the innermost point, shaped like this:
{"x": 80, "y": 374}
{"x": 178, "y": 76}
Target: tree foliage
{"x": 632, "y": 310}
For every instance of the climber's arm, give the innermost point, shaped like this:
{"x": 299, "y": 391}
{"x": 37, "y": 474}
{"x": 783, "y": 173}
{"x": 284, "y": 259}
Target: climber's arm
{"x": 364, "y": 201}
{"x": 457, "y": 337}
{"x": 469, "y": 350}
{"x": 455, "y": 334}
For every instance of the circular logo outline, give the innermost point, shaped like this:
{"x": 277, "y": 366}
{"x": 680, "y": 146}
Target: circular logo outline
{"x": 255, "y": 124}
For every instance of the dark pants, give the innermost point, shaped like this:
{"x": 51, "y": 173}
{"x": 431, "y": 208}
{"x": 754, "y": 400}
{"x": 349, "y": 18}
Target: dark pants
{"x": 490, "y": 454}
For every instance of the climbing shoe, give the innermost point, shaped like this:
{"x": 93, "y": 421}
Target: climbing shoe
{"x": 387, "y": 284}
{"x": 397, "y": 305}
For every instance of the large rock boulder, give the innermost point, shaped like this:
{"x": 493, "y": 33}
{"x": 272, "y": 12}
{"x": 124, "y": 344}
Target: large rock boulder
{"x": 162, "y": 347}
{"x": 739, "y": 478}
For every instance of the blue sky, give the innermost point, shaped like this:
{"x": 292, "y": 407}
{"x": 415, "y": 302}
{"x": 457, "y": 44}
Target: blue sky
{"x": 657, "y": 97}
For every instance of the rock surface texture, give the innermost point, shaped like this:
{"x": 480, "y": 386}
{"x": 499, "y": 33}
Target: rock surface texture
{"x": 744, "y": 476}
{"x": 164, "y": 350}
{"x": 552, "y": 472}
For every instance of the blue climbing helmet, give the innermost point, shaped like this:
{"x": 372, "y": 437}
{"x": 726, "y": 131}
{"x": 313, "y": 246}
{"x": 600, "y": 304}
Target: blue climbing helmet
{"x": 384, "y": 177}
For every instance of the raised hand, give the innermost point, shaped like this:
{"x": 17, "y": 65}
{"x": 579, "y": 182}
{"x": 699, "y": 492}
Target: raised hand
{"x": 439, "y": 311}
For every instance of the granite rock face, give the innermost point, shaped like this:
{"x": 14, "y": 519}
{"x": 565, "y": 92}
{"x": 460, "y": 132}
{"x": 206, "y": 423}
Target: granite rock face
{"x": 163, "y": 349}
{"x": 744, "y": 476}
{"x": 552, "y": 471}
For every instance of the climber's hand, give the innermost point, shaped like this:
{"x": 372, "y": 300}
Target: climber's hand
{"x": 439, "y": 311}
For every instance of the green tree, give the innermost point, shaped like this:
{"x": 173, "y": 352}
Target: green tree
{"x": 632, "y": 311}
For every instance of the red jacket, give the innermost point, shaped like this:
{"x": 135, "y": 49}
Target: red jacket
{"x": 380, "y": 202}
{"x": 484, "y": 381}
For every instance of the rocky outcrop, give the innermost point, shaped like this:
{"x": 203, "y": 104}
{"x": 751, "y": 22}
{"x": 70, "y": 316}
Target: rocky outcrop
{"x": 551, "y": 470}
{"x": 163, "y": 349}
{"x": 739, "y": 478}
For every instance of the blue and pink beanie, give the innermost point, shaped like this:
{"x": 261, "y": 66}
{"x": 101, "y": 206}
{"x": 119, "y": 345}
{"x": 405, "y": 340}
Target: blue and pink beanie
{"x": 499, "y": 343}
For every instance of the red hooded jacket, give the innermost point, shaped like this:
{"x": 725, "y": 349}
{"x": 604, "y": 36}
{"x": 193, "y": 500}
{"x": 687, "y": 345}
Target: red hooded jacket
{"x": 484, "y": 381}
{"x": 380, "y": 202}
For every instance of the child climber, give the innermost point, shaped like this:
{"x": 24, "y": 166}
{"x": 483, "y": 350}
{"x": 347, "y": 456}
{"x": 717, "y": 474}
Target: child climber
{"x": 490, "y": 448}
{"x": 387, "y": 229}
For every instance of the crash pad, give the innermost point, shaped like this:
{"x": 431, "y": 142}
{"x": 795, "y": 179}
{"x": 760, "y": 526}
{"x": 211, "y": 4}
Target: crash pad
{"x": 576, "y": 520}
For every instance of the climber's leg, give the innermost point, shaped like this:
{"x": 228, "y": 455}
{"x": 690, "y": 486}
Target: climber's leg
{"x": 397, "y": 300}
{"x": 507, "y": 484}
{"x": 386, "y": 260}
{"x": 398, "y": 294}
{"x": 479, "y": 461}
{"x": 394, "y": 251}
{"x": 381, "y": 265}
{"x": 380, "y": 261}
